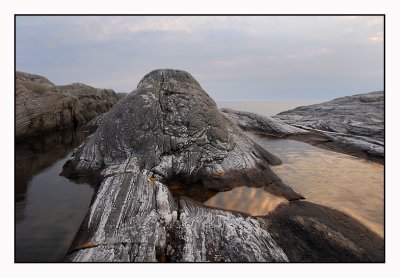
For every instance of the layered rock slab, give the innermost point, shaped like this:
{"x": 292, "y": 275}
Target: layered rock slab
{"x": 352, "y": 125}
{"x": 169, "y": 129}
{"x": 42, "y": 106}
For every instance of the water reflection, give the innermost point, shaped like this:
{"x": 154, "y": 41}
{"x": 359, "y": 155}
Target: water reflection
{"x": 35, "y": 154}
{"x": 250, "y": 200}
{"x": 339, "y": 181}
{"x": 49, "y": 208}
{"x": 254, "y": 201}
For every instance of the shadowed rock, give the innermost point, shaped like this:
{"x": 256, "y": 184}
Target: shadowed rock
{"x": 309, "y": 232}
{"x": 41, "y": 106}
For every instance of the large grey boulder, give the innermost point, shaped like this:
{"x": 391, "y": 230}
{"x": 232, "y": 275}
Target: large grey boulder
{"x": 171, "y": 127}
{"x": 42, "y": 106}
{"x": 168, "y": 132}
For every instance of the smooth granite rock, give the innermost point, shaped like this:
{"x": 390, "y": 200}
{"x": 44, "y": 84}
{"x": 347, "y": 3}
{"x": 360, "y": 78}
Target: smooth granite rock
{"x": 41, "y": 106}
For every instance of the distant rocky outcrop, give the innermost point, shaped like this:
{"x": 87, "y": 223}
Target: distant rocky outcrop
{"x": 257, "y": 123}
{"x": 353, "y": 125}
{"x": 42, "y": 106}
{"x": 169, "y": 130}
{"x": 359, "y": 115}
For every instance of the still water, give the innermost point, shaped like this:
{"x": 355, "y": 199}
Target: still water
{"x": 48, "y": 208}
{"x": 349, "y": 184}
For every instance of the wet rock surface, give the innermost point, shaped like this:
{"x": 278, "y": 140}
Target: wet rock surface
{"x": 168, "y": 132}
{"x": 42, "y": 106}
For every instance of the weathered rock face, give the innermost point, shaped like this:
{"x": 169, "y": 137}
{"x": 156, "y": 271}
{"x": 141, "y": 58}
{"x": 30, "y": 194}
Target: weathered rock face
{"x": 353, "y": 125}
{"x": 257, "y": 123}
{"x": 170, "y": 130}
{"x": 41, "y": 106}
{"x": 357, "y": 115}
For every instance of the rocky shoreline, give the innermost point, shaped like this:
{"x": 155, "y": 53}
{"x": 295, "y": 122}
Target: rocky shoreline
{"x": 169, "y": 130}
{"x": 42, "y": 106}
{"x": 352, "y": 125}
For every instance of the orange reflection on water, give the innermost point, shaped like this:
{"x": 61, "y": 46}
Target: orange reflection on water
{"x": 254, "y": 201}
{"x": 339, "y": 181}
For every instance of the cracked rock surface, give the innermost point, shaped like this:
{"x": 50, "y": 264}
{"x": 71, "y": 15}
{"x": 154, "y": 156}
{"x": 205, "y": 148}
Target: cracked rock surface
{"x": 42, "y": 106}
{"x": 169, "y": 130}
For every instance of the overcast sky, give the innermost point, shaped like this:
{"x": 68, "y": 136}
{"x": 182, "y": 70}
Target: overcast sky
{"x": 233, "y": 58}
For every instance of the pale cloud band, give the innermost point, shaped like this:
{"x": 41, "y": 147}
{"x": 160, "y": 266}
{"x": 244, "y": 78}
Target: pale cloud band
{"x": 234, "y": 58}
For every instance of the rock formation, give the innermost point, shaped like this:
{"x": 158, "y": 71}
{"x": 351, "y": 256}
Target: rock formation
{"x": 353, "y": 125}
{"x": 41, "y": 106}
{"x": 169, "y": 130}
{"x": 257, "y": 123}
